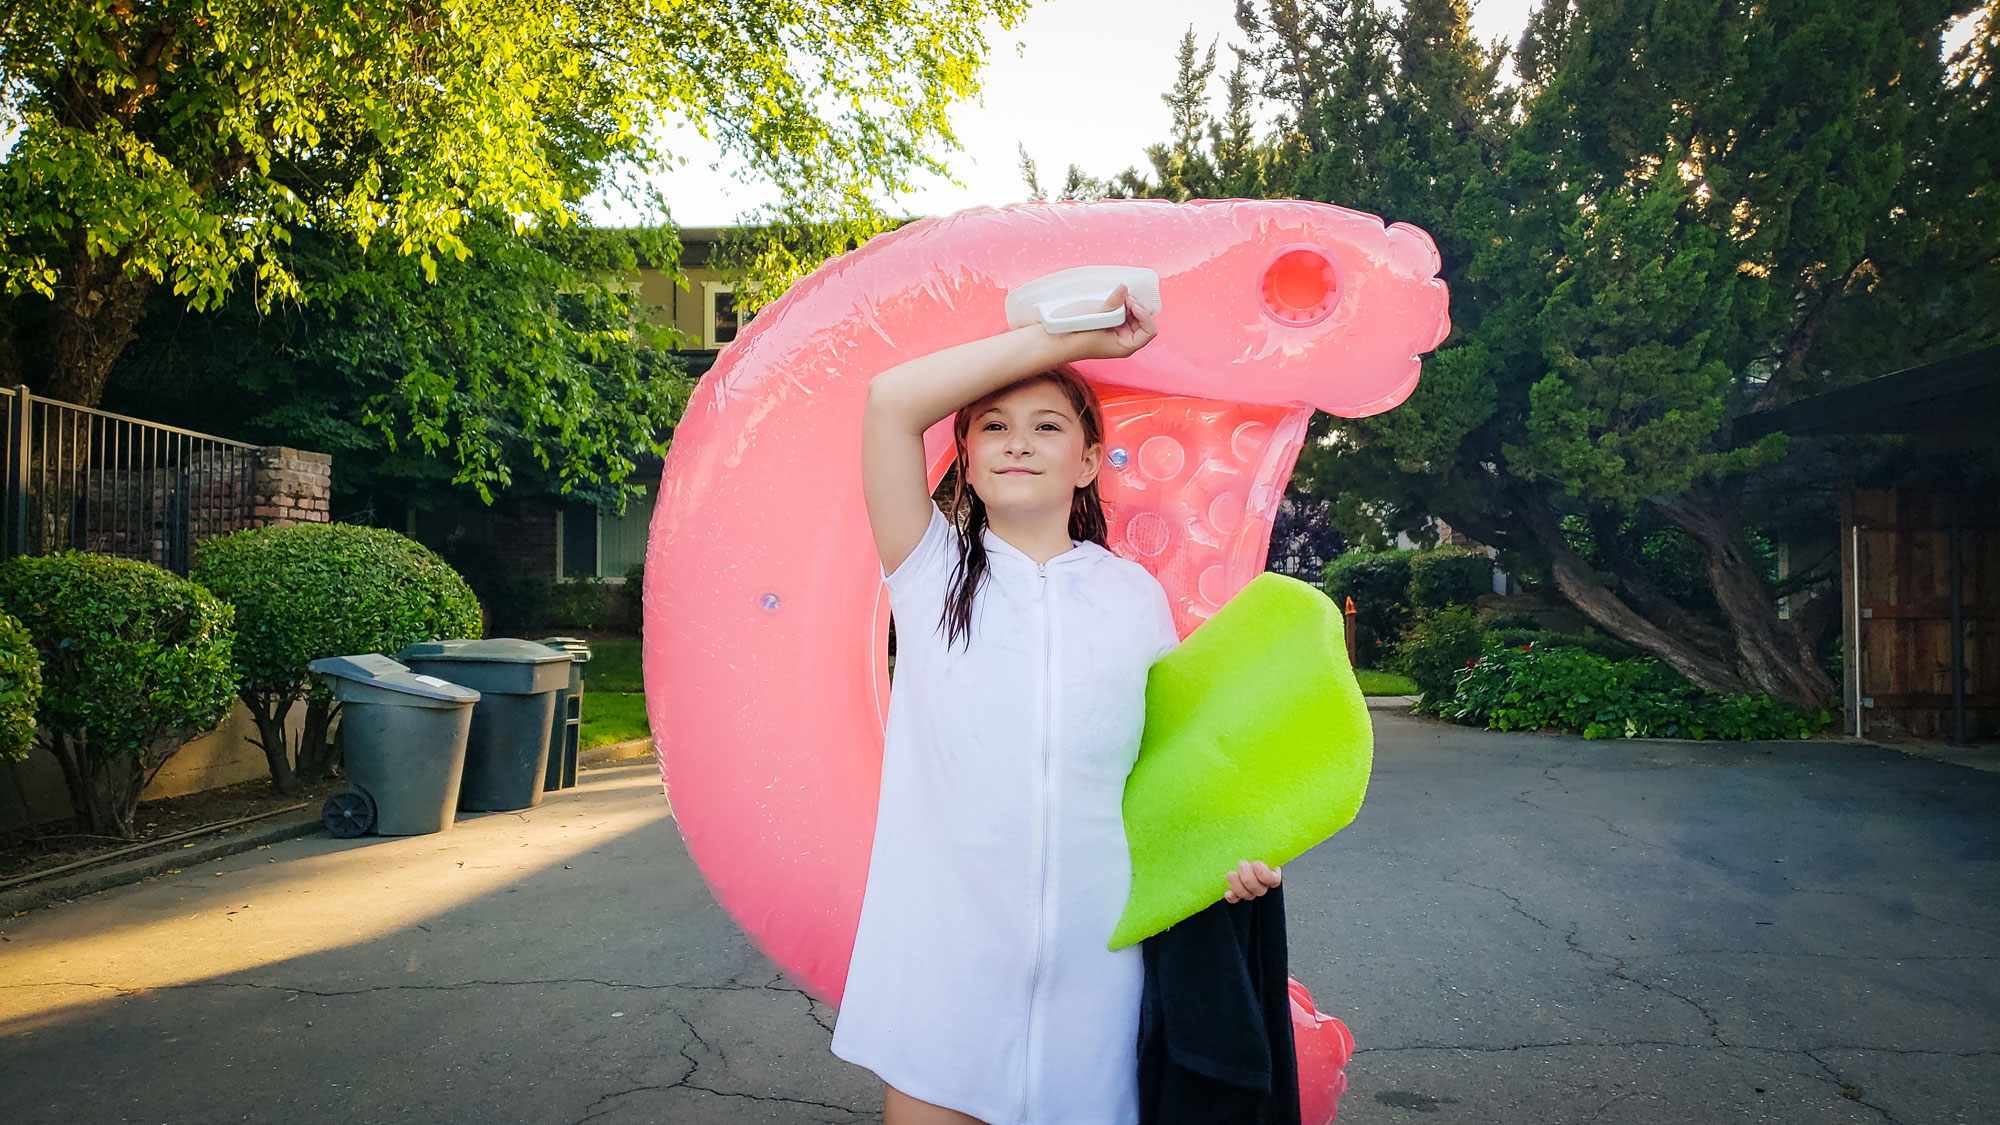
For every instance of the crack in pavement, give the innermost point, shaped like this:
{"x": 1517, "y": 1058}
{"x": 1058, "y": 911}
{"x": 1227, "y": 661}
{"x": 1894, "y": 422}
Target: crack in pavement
{"x": 1474, "y": 1048}
{"x": 598, "y": 1108}
{"x": 1605, "y": 821}
{"x": 448, "y": 987}
{"x": 1845, "y": 1086}
{"x": 1828, "y": 956}
{"x": 1848, "y": 1090}
{"x": 1617, "y": 969}
{"x": 1792, "y": 888}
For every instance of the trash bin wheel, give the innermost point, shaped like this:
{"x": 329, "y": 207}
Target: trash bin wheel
{"x": 348, "y": 814}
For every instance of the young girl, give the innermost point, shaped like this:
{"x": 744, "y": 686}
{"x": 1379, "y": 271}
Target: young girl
{"x": 980, "y": 989}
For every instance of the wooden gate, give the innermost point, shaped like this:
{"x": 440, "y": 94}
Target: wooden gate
{"x": 1921, "y": 577}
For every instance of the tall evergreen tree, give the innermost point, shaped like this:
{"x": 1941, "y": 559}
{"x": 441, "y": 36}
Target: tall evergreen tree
{"x": 1683, "y": 214}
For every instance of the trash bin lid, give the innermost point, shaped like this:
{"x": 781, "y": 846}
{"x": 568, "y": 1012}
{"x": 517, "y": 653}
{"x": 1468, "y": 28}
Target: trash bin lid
{"x": 577, "y": 647}
{"x": 381, "y": 672}
{"x": 500, "y": 650}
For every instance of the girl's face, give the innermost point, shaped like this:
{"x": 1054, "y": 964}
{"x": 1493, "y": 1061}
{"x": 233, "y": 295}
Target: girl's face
{"x": 1025, "y": 451}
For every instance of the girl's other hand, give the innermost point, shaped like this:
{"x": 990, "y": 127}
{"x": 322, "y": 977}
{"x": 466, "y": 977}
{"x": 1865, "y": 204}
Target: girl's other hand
{"x": 1252, "y": 880}
{"x": 1136, "y": 332}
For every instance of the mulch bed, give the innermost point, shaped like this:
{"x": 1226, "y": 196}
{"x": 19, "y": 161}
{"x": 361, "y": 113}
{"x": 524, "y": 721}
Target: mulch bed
{"x": 62, "y": 842}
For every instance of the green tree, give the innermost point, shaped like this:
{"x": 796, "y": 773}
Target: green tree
{"x": 20, "y": 689}
{"x": 323, "y": 589}
{"x": 528, "y": 367}
{"x": 134, "y": 663}
{"x": 169, "y": 144}
{"x": 1685, "y": 213}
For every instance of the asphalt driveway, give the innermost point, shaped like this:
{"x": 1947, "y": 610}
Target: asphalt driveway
{"x": 1517, "y": 929}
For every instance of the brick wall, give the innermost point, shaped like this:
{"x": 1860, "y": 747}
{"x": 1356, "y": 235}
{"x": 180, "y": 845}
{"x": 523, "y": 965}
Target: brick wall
{"x": 293, "y": 486}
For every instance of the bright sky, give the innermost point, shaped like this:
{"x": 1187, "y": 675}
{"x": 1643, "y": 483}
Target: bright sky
{"x": 1083, "y": 87}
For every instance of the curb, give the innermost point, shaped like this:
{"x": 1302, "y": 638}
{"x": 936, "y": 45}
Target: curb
{"x": 611, "y": 752}
{"x": 131, "y": 871}
{"x": 1391, "y": 702}
{"x": 302, "y": 823}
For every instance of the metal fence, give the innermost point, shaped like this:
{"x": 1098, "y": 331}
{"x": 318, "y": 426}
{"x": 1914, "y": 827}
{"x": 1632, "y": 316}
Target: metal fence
{"x": 88, "y": 480}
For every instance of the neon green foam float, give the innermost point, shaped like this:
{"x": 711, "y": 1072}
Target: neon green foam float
{"x": 1257, "y": 746}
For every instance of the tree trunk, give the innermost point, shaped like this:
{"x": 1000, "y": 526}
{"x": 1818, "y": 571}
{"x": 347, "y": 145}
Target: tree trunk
{"x": 1773, "y": 654}
{"x": 1588, "y": 591}
{"x": 97, "y": 311}
{"x": 103, "y": 789}
{"x": 318, "y": 754}
{"x": 1646, "y": 596}
{"x": 269, "y": 712}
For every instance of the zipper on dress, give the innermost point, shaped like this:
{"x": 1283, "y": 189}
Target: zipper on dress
{"x": 1042, "y": 892}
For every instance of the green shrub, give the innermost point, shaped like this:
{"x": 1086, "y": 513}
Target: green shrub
{"x": 1378, "y": 581}
{"x": 1449, "y": 576}
{"x": 20, "y": 689}
{"x": 516, "y": 606}
{"x": 323, "y": 589}
{"x": 585, "y": 603}
{"x": 134, "y": 662}
{"x": 1436, "y": 647}
{"x": 1610, "y": 648}
{"x": 632, "y": 599}
{"x": 1570, "y": 689}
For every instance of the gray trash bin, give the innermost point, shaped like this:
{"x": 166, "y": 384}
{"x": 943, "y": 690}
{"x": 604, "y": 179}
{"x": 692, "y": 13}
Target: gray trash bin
{"x": 508, "y": 752}
{"x": 566, "y": 732}
{"x": 403, "y": 736}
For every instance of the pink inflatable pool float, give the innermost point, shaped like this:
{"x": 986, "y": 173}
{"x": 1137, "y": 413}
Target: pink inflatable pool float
{"x": 766, "y": 620}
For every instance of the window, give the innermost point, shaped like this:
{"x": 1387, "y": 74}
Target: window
{"x": 596, "y": 544}
{"x": 718, "y": 314}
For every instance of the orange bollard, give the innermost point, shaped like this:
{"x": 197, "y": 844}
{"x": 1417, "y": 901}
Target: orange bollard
{"x": 1347, "y": 627}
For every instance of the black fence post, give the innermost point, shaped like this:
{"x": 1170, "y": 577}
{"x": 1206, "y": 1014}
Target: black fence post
{"x": 17, "y": 473}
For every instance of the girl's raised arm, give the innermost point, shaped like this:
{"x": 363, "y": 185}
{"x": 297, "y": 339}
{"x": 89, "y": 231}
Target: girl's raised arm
{"x": 910, "y": 397}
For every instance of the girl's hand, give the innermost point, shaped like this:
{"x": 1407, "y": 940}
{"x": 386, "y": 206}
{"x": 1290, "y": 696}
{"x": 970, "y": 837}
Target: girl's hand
{"x": 1117, "y": 343}
{"x": 1252, "y": 880}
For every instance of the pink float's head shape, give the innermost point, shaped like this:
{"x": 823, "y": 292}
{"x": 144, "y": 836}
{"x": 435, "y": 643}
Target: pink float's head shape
{"x": 765, "y": 616}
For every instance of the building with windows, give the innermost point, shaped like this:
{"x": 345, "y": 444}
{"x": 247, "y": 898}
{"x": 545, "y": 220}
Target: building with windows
{"x": 525, "y": 539}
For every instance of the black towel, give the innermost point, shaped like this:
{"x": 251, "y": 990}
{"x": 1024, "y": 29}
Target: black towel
{"x": 1215, "y": 1020}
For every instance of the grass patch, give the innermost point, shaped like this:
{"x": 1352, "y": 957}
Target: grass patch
{"x": 614, "y": 666}
{"x": 613, "y": 716}
{"x": 1377, "y": 683}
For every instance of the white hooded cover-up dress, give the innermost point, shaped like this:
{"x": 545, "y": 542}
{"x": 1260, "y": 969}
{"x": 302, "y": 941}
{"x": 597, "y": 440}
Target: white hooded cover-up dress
{"x": 980, "y": 980}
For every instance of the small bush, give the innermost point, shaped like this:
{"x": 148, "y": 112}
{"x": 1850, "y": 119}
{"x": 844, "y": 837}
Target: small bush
{"x": 1610, "y": 648}
{"x": 1570, "y": 689}
{"x": 1435, "y": 649}
{"x": 323, "y": 589}
{"x": 134, "y": 662}
{"x": 584, "y": 603}
{"x": 1378, "y": 581}
{"x": 1450, "y": 576}
{"x": 632, "y": 599}
{"x": 516, "y": 606}
{"x": 20, "y": 689}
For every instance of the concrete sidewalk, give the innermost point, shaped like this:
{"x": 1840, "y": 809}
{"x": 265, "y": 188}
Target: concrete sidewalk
{"x": 1518, "y": 928}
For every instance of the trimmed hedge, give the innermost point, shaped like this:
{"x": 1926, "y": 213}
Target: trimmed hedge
{"x": 134, "y": 662}
{"x": 20, "y": 689}
{"x": 1379, "y": 582}
{"x": 1610, "y": 648}
{"x": 1436, "y": 647}
{"x": 1449, "y": 576}
{"x": 632, "y": 600}
{"x": 1569, "y": 689}
{"x": 324, "y": 589}
{"x": 583, "y": 603}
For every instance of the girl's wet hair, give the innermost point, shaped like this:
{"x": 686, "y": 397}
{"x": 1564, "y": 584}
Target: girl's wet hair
{"x": 968, "y": 512}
